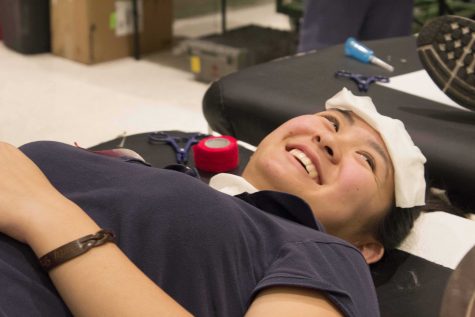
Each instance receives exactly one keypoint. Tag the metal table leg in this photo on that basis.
(136, 29)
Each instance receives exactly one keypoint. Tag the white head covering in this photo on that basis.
(408, 161)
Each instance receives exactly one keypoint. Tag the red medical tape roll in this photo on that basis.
(216, 154)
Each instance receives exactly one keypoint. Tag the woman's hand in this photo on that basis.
(24, 192)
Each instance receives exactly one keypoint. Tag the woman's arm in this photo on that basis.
(291, 301)
(101, 282)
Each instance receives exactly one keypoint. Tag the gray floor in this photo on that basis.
(45, 97)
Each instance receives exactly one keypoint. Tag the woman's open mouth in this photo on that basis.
(306, 163)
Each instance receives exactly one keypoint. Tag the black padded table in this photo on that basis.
(162, 155)
(251, 103)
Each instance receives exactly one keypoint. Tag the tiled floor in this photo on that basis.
(44, 97)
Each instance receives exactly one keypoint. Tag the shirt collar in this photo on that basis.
(231, 184)
(279, 204)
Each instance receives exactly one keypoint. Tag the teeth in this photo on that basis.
(306, 162)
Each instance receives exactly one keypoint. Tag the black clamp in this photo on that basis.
(362, 81)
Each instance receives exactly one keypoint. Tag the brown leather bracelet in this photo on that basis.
(75, 248)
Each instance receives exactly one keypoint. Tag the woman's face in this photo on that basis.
(335, 162)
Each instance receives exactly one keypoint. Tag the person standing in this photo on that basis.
(330, 22)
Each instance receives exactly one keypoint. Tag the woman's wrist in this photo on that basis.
(56, 223)
(75, 248)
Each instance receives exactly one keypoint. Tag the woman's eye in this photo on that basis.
(334, 121)
(369, 159)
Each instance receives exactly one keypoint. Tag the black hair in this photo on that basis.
(394, 227)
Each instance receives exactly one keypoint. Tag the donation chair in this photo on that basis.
(411, 280)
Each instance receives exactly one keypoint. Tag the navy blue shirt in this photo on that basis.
(211, 252)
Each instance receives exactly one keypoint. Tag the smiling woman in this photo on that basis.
(342, 167)
(276, 248)
(353, 182)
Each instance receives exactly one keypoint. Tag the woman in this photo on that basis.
(183, 247)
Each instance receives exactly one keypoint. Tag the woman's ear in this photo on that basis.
(372, 250)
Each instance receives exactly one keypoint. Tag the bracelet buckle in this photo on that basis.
(94, 240)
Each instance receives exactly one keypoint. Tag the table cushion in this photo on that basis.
(251, 103)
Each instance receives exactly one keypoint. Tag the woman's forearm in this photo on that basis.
(102, 281)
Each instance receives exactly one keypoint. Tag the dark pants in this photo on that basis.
(330, 22)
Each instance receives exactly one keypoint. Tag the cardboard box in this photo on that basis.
(93, 31)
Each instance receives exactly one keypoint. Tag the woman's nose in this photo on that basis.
(329, 145)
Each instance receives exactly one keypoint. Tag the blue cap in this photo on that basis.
(357, 50)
